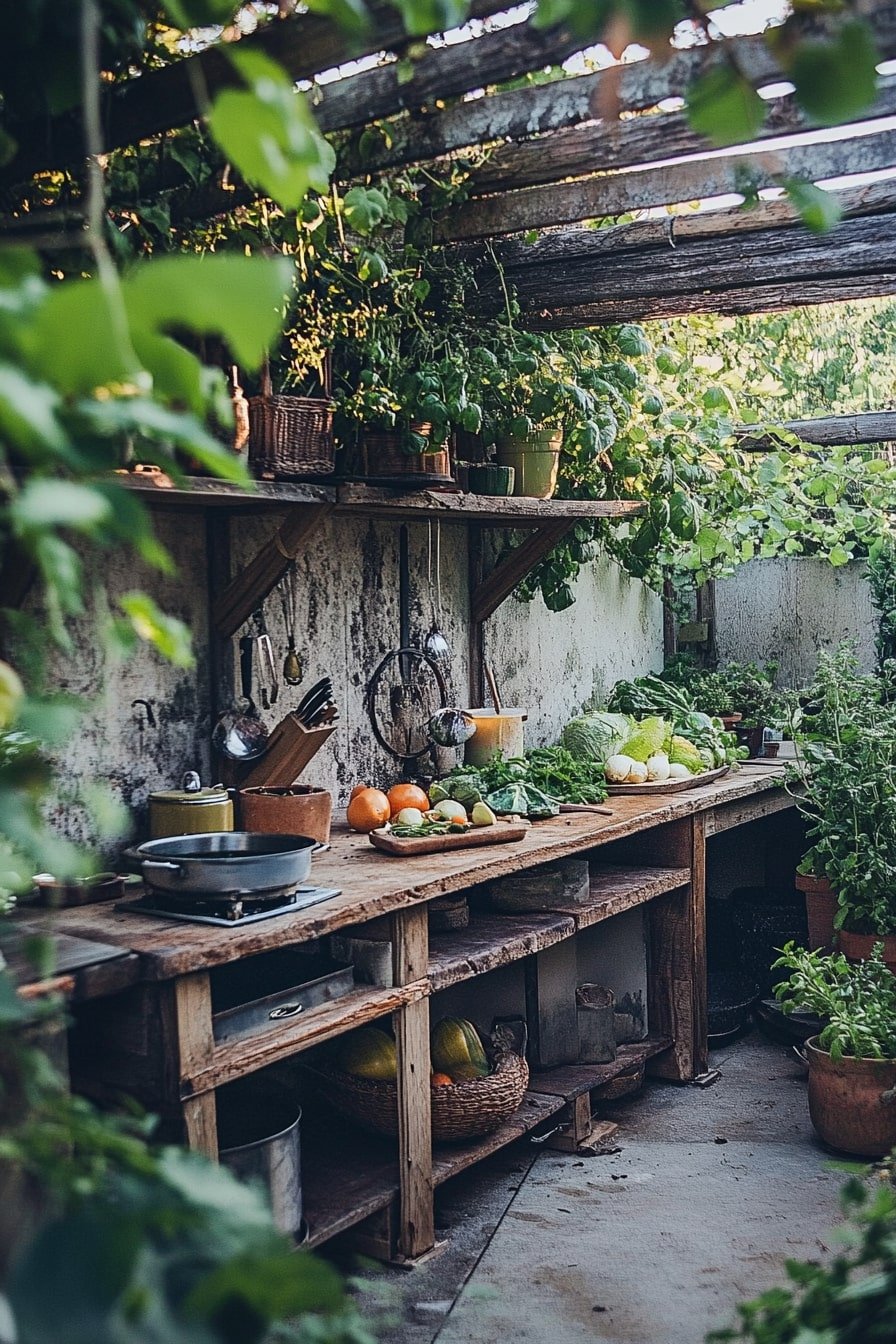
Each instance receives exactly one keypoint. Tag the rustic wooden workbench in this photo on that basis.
(156, 1038)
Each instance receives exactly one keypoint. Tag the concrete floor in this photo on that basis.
(711, 1190)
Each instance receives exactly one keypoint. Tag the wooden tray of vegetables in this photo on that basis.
(441, 839)
(671, 785)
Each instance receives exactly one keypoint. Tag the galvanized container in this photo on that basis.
(260, 1142)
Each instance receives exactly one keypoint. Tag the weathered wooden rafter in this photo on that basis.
(715, 174)
(444, 72)
(834, 430)
(732, 302)
(163, 100)
(600, 146)
(731, 260)
(518, 114)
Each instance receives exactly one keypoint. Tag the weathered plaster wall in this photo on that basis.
(347, 619)
(788, 611)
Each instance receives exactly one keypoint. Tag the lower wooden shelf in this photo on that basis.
(348, 1174)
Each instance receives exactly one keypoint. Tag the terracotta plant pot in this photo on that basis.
(297, 810)
(852, 1102)
(821, 907)
(859, 946)
(729, 721)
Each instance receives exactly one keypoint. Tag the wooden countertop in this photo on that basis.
(375, 884)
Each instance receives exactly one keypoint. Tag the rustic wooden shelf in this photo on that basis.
(615, 889)
(570, 1080)
(347, 1174)
(548, 1093)
(491, 941)
(207, 492)
(238, 1058)
(200, 492)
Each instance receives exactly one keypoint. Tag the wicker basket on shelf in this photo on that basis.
(291, 436)
(461, 1111)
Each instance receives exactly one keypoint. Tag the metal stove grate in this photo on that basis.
(228, 912)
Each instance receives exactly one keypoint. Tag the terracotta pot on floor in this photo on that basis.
(297, 810)
(821, 907)
(858, 946)
(852, 1102)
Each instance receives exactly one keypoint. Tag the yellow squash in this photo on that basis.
(456, 1049)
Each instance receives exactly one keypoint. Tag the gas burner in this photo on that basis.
(228, 911)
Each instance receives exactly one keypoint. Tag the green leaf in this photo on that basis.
(187, 14)
(422, 17)
(632, 341)
(28, 410)
(838, 555)
(365, 208)
(269, 132)
(836, 78)
(46, 503)
(75, 333)
(724, 106)
(818, 209)
(237, 298)
(168, 635)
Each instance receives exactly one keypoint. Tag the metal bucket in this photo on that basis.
(260, 1142)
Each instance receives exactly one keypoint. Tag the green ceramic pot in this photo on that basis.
(491, 479)
(535, 459)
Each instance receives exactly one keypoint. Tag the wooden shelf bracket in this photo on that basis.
(245, 593)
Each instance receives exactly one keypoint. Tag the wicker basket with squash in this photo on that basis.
(473, 1091)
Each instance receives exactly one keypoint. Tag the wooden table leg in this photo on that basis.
(195, 1046)
(677, 961)
(410, 942)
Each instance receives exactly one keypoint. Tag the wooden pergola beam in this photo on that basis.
(731, 302)
(163, 100)
(716, 174)
(601, 146)
(861, 247)
(445, 72)
(832, 431)
(518, 114)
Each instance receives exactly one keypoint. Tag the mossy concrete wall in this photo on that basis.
(347, 618)
(788, 611)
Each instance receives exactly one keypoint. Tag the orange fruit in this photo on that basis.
(407, 795)
(359, 788)
(441, 1080)
(367, 810)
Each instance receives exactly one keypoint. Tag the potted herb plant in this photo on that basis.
(852, 1061)
(743, 696)
(541, 393)
(847, 743)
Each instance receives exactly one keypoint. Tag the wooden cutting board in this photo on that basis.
(671, 785)
(500, 834)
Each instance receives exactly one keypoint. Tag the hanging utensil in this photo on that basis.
(270, 692)
(435, 644)
(451, 727)
(239, 732)
(293, 670)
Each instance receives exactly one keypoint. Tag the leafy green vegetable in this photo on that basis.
(595, 737)
(648, 738)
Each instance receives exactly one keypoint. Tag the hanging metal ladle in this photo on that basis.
(435, 645)
(293, 671)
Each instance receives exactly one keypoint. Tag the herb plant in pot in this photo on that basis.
(852, 1061)
(540, 394)
(847, 742)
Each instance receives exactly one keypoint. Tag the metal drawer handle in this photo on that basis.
(285, 1010)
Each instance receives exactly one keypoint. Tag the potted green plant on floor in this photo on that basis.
(743, 696)
(852, 1061)
(847, 776)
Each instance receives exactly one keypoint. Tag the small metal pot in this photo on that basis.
(226, 863)
(189, 810)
